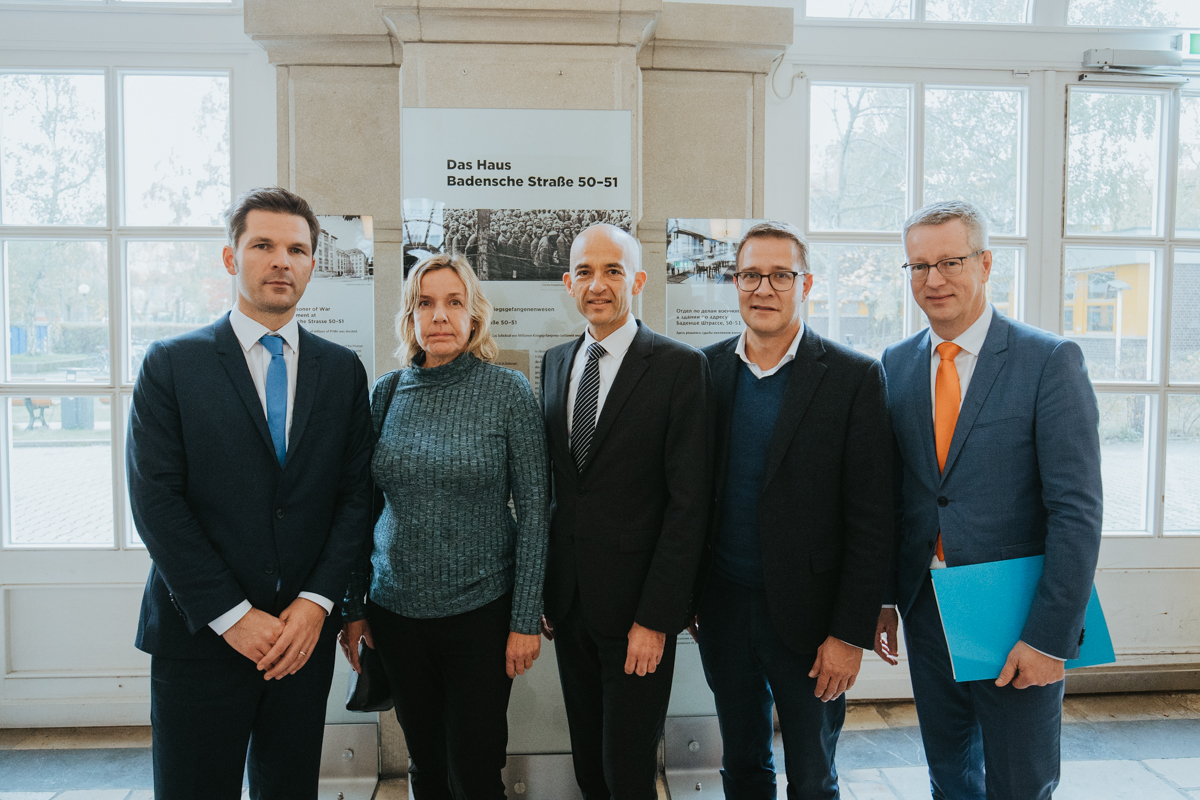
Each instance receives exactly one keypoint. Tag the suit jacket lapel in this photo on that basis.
(308, 374)
(633, 366)
(233, 359)
(987, 368)
(807, 371)
(923, 412)
(724, 365)
(557, 381)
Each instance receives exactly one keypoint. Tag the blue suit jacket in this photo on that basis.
(1022, 477)
(222, 520)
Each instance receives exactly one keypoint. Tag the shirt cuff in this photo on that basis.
(1047, 655)
(230, 618)
(888, 605)
(323, 602)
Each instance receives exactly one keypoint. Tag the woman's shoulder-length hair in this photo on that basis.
(480, 344)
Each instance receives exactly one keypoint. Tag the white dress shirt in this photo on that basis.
(258, 358)
(758, 372)
(616, 344)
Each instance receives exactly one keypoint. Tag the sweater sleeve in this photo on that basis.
(528, 477)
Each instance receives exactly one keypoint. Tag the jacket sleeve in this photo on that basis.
(156, 466)
(1068, 453)
(867, 516)
(351, 521)
(687, 465)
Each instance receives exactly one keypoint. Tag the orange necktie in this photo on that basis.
(947, 396)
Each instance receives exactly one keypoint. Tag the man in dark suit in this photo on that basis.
(802, 528)
(625, 411)
(248, 456)
(996, 426)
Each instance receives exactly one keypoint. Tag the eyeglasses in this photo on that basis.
(779, 281)
(949, 267)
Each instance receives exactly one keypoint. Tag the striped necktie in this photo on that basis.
(583, 421)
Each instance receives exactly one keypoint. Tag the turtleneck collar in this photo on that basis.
(444, 375)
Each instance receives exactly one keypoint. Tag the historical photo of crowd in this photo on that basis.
(703, 250)
(509, 245)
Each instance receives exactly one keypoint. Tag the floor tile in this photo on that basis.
(1183, 771)
(11, 737)
(26, 795)
(1112, 780)
(888, 747)
(908, 783)
(85, 738)
(93, 794)
(1122, 707)
(898, 715)
(1142, 739)
(866, 784)
(1195, 795)
(1087, 742)
(62, 770)
(141, 794)
(1184, 705)
(863, 717)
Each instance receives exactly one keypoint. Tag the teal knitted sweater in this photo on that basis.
(458, 441)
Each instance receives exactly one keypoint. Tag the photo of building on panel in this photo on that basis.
(703, 250)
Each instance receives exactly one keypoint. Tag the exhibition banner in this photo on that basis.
(339, 303)
(509, 190)
(702, 298)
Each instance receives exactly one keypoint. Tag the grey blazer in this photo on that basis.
(1022, 477)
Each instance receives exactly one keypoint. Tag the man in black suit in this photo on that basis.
(625, 411)
(248, 456)
(802, 527)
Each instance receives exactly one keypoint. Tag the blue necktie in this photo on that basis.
(277, 388)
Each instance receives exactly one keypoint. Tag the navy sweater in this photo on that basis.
(756, 404)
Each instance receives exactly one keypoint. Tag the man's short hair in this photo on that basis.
(947, 211)
(275, 199)
(777, 230)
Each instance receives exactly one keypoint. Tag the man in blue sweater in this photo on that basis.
(801, 533)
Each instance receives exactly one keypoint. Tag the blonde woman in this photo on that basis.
(453, 586)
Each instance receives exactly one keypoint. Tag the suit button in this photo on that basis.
(942, 501)
(279, 513)
(269, 568)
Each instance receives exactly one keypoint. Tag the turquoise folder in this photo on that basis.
(984, 606)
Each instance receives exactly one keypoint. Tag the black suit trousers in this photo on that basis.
(204, 712)
(616, 720)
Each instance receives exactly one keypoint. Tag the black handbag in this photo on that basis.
(368, 690)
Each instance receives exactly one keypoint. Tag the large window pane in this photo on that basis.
(858, 295)
(1004, 285)
(52, 156)
(1185, 318)
(60, 470)
(859, 139)
(1123, 459)
(995, 11)
(860, 9)
(1187, 205)
(1108, 296)
(176, 133)
(1134, 13)
(973, 151)
(57, 310)
(1113, 163)
(1181, 512)
(174, 287)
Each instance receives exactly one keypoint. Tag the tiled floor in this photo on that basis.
(1115, 747)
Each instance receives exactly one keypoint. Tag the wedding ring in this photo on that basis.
(303, 653)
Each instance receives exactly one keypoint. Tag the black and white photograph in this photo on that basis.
(703, 250)
(503, 244)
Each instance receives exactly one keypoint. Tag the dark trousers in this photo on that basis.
(451, 692)
(749, 669)
(204, 713)
(964, 726)
(616, 720)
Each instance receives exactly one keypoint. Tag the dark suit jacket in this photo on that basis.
(825, 515)
(222, 520)
(1022, 477)
(627, 532)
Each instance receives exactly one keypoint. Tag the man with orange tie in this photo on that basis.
(999, 457)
